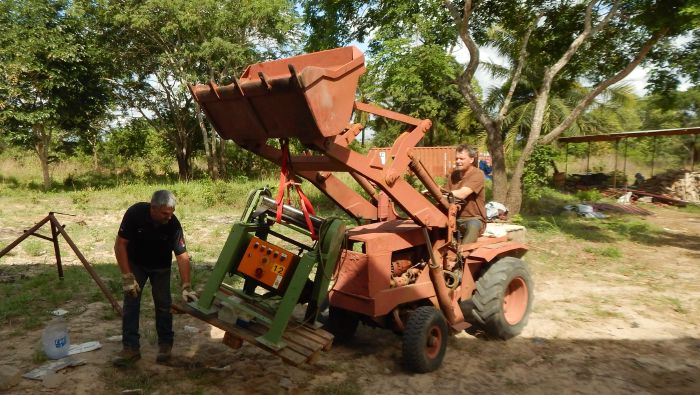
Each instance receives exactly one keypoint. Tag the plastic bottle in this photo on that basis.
(55, 339)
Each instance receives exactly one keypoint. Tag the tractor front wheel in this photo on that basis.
(503, 299)
(425, 340)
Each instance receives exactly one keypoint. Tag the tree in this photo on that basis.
(51, 73)
(676, 109)
(416, 80)
(165, 44)
(551, 47)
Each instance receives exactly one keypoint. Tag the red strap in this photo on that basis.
(286, 183)
(284, 174)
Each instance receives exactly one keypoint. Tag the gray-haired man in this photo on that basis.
(148, 235)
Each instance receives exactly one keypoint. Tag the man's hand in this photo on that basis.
(130, 285)
(188, 295)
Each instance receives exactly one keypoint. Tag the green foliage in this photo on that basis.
(53, 76)
(536, 174)
(165, 45)
(417, 81)
(549, 202)
(589, 195)
(538, 106)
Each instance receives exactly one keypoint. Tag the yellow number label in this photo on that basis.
(279, 269)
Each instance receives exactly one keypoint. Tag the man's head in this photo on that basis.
(465, 156)
(162, 206)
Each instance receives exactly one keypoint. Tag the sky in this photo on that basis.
(637, 78)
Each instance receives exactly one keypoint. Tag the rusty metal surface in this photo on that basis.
(618, 136)
(388, 235)
(311, 98)
(307, 96)
(491, 251)
(621, 208)
(438, 161)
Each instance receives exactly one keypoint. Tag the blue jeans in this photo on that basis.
(470, 229)
(160, 290)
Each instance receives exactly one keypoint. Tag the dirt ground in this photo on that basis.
(599, 325)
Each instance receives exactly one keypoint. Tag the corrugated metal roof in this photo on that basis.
(618, 136)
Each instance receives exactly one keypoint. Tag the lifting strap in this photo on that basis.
(286, 183)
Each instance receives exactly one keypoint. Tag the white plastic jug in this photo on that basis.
(55, 339)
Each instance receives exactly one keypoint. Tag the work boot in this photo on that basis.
(164, 353)
(126, 357)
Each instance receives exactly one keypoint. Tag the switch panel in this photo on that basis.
(268, 264)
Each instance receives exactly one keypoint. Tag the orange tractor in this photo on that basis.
(400, 268)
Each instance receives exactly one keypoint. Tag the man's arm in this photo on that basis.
(122, 256)
(462, 192)
(183, 265)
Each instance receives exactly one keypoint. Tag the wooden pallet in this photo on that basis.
(303, 343)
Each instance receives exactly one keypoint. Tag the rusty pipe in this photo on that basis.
(365, 184)
(441, 291)
(433, 188)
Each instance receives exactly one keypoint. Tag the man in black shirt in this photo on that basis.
(148, 236)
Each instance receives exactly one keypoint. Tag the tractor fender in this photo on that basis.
(491, 251)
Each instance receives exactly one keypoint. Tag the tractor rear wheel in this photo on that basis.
(425, 340)
(503, 299)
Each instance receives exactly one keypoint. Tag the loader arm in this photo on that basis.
(312, 98)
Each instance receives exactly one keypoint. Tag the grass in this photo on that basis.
(32, 291)
(676, 305)
(26, 300)
(349, 386)
(609, 252)
(614, 228)
(690, 209)
(131, 379)
(35, 247)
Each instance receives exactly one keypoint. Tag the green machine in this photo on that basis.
(278, 272)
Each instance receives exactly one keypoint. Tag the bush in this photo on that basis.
(591, 195)
(536, 173)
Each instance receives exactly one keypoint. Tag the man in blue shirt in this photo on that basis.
(485, 166)
(148, 235)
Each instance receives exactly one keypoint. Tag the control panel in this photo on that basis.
(267, 263)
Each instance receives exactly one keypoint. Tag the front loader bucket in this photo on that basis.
(308, 97)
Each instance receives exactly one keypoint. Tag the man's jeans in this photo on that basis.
(160, 289)
(469, 227)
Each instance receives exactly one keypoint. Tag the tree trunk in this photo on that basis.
(494, 141)
(43, 140)
(184, 166)
(216, 166)
(95, 159)
(205, 139)
(221, 157)
(514, 199)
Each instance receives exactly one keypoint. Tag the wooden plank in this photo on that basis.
(302, 343)
(315, 334)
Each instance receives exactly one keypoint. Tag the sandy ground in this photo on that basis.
(628, 325)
